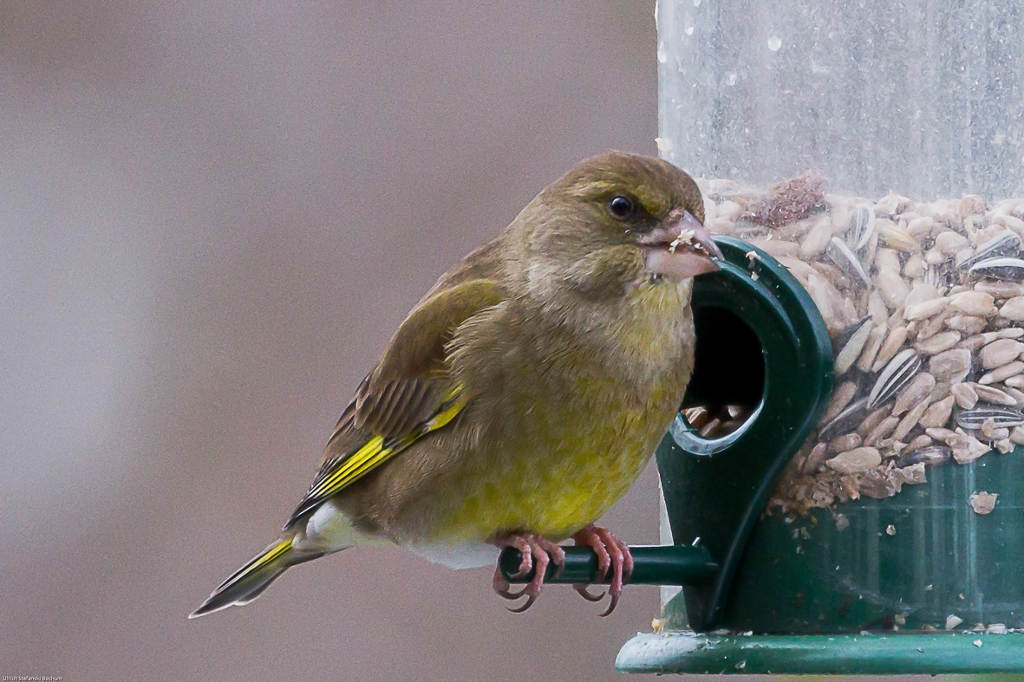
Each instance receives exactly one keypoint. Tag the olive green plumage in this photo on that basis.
(528, 388)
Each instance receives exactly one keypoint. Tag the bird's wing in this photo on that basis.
(408, 395)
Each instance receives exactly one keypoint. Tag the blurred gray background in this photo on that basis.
(212, 218)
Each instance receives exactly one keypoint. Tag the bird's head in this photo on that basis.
(619, 219)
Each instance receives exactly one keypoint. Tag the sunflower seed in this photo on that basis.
(948, 243)
(915, 392)
(968, 324)
(1001, 290)
(991, 394)
(950, 365)
(922, 227)
(851, 351)
(855, 461)
(914, 267)
(938, 413)
(1002, 373)
(895, 237)
(900, 370)
(921, 441)
(925, 309)
(882, 431)
(845, 420)
(1004, 269)
(815, 459)
(1014, 393)
(1013, 309)
(1002, 416)
(893, 342)
(999, 352)
(874, 344)
(910, 420)
(939, 342)
(894, 290)
(931, 456)
(816, 240)
(1005, 244)
(845, 442)
(972, 303)
(966, 396)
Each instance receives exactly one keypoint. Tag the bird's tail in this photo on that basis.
(250, 580)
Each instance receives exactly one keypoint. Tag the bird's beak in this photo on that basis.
(680, 249)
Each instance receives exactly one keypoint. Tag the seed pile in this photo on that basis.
(924, 303)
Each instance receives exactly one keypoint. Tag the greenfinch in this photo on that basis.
(524, 393)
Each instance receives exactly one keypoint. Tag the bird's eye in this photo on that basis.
(621, 206)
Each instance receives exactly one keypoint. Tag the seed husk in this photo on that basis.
(847, 260)
(1005, 269)
(862, 226)
(966, 448)
(1004, 244)
(930, 456)
(900, 370)
(845, 420)
(1001, 416)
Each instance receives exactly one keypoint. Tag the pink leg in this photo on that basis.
(537, 554)
(612, 554)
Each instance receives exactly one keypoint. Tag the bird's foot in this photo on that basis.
(537, 553)
(612, 555)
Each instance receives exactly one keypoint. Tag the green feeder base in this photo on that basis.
(895, 654)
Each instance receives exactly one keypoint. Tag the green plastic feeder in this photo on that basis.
(919, 98)
(803, 595)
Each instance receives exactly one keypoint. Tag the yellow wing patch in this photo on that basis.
(341, 472)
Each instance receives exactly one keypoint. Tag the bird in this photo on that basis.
(523, 394)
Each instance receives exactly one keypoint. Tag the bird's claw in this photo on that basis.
(612, 555)
(587, 594)
(538, 553)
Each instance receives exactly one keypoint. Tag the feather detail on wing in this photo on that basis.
(340, 472)
(408, 395)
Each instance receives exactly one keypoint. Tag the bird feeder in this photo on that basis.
(845, 480)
